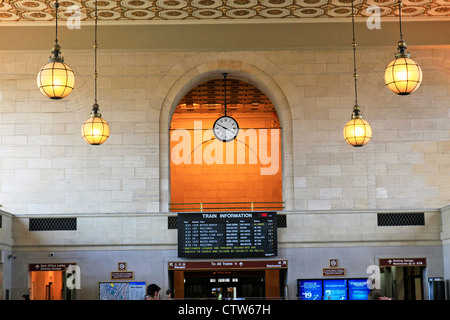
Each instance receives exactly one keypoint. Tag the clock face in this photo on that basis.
(226, 129)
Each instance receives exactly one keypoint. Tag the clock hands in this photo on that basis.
(225, 127)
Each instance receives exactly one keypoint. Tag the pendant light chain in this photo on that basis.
(355, 74)
(225, 87)
(95, 58)
(357, 132)
(400, 4)
(56, 19)
(95, 130)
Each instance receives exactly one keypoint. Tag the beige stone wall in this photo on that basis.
(6, 236)
(304, 229)
(46, 167)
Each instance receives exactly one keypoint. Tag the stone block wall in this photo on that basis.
(46, 167)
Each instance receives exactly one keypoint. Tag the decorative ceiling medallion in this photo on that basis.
(275, 13)
(173, 14)
(340, 12)
(308, 12)
(410, 11)
(64, 15)
(101, 5)
(276, 3)
(171, 4)
(207, 14)
(136, 4)
(346, 3)
(241, 13)
(154, 10)
(382, 3)
(206, 4)
(415, 3)
(37, 16)
(441, 11)
(312, 3)
(65, 4)
(30, 5)
(241, 3)
(139, 14)
(384, 11)
(8, 16)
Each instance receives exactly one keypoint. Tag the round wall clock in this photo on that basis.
(226, 129)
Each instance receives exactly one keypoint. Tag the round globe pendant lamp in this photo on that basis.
(95, 130)
(403, 75)
(357, 132)
(56, 79)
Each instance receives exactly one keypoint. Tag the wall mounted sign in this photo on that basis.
(121, 291)
(332, 272)
(49, 266)
(122, 275)
(334, 263)
(237, 264)
(227, 234)
(403, 262)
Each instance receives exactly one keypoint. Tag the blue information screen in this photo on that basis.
(335, 289)
(310, 289)
(357, 289)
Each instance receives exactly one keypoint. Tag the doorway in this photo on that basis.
(403, 283)
(50, 284)
(46, 285)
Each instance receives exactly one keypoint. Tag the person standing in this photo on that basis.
(153, 292)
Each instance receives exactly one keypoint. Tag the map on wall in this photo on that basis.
(121, 291)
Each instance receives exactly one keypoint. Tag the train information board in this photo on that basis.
(227, 234)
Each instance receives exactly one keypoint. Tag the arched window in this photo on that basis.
(211, 175)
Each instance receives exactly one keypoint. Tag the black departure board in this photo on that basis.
(227, 234)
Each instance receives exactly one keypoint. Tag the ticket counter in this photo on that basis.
(228, 279)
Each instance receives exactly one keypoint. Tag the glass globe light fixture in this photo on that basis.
(95, 130)
(403, 75)
(357, 132)
(56, 79)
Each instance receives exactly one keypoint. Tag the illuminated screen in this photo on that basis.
(335, 289)
(310, 289)
(357, 289)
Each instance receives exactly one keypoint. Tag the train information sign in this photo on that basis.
(227, 234)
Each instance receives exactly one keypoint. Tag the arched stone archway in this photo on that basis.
(239, 70)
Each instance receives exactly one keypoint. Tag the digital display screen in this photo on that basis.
(357, 289)
(227, 234)
(335, 289)
(310, 289)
